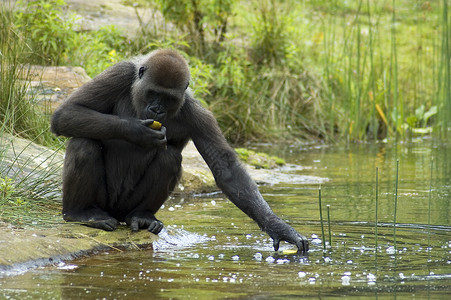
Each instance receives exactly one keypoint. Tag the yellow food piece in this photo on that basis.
(155, 125)
(289, 251)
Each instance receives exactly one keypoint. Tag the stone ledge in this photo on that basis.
(26, 248)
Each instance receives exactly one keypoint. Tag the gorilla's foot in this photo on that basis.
(144, 219)
(94, 217)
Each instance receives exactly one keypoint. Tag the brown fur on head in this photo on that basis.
(162, 72)
(165, 71)
(168, 69)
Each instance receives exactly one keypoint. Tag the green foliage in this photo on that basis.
(21, 205)
(334, 70)
(202, 19)
(419, 122)
(50, 32)
(9, 193)
(270, 33)
(97, 50)
(6, 188)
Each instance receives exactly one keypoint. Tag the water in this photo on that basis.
(211, 250)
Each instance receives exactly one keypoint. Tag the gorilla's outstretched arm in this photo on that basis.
(232, 178)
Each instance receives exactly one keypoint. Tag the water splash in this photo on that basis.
(172, 238)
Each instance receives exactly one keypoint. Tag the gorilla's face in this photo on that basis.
(159, 93)
(160, 106)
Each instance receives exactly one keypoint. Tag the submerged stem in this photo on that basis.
(396, 204)
(321, 219)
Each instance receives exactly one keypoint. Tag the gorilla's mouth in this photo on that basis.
(156, 116)
(155, 113)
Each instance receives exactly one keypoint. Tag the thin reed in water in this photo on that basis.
(328, 225)
(396, 203)
(429, 211)
(377, 206)
(321, 219)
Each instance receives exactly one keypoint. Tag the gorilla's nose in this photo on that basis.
(156, 112)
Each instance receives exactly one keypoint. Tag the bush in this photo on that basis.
(50, 32)
(97, 50)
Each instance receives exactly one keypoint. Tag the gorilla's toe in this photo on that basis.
(107, 225)
(155, 227)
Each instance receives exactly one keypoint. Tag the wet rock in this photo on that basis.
(196, 176)
(22, 158)
(26, 248)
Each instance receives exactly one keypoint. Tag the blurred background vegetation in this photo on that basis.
(332, 70)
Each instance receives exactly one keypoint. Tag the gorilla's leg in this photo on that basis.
(159, 182)
(84, 187)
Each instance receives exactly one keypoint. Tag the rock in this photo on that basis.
(51, 85)
(92, 15)
(26, 248)
(21, 158)
(196, 176)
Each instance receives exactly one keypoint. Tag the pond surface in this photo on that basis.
(211, 250)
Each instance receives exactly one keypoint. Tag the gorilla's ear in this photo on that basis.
(141, 72)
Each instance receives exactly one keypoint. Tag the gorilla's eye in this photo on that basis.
(141, 72)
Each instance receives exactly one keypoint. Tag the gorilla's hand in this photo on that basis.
(139, 133)
(278, 230)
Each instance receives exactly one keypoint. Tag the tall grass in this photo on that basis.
(29, 183)
(26, 188)
(19, 113)
(444, 76)
(383, 85)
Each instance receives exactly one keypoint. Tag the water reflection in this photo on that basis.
(211, 250)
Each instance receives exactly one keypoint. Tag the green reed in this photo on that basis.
(377, 208)
(445, 74)
(328, 225)
(395, 203)
(429, 210)
(386, 68)
(323, 237)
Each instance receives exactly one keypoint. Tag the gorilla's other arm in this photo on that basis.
(233, 179)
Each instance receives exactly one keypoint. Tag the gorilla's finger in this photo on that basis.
(276, 243)
(302, 245)
(155, 227)
(147, 122)
(108, 225)
(306, 244)
(161, 143)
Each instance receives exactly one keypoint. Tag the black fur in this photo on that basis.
(117, 169)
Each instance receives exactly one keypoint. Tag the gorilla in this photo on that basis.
(121, 167)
